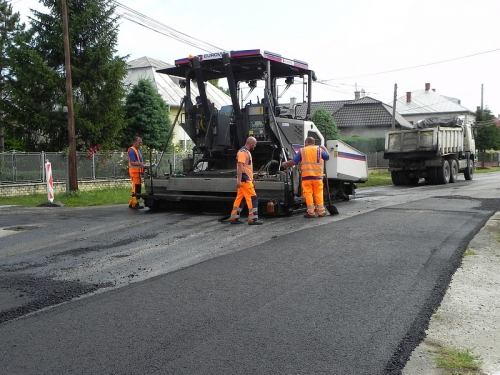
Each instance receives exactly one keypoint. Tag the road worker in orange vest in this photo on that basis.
(135, 170)
(245, 186)
(311, 159)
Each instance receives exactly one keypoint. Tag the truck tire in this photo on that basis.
(403, 178)
(469, 171)
(453, 170)
(413, 180)
(395, 177)
(443, 173)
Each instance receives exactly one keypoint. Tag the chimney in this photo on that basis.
(408, 97)
(427, 86)
(356, 95)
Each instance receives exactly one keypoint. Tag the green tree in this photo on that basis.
(9, 26)
(147, 115)
(37, 80)
(215, 82)
(326, 124)
(488, 134)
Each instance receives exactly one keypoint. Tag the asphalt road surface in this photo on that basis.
(107, 290)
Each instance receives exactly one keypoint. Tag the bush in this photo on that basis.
(366, 145)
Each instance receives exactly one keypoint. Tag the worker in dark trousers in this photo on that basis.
(135, 170)
(244, 184)
(311, 159)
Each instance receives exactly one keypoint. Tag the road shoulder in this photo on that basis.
(468, 317)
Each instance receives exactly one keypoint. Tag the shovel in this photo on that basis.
(332, 210)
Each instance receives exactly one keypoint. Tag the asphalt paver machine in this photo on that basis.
(208, 176)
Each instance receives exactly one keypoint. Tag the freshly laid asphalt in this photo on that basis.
(326, 300)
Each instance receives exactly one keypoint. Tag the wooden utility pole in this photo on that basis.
(72, 177)
(2, 138)
(394, 107)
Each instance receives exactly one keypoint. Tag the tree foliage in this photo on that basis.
(147, 115)
(488, 134)
(325, 122)
(9, 26)
(366, 145)
(215, 82)
(37, 79)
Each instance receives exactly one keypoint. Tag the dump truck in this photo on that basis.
(437, 150)
(208, 175)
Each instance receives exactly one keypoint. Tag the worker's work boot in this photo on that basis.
(136, 206)
(307, 216)
(255, 222)
(134, 203)
(237, 221)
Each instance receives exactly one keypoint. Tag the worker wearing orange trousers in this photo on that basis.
(311, 159)
(135, 169)
(244, 183)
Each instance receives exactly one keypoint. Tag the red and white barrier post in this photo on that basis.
(50, 182)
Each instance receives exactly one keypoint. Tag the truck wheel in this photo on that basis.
(443, 173)
(469, 171)
(453, 170)
(403, 178)
(395, 177)
(414, 180)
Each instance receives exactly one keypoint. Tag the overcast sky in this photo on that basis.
(367, 44)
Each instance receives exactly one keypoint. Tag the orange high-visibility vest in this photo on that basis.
(133, 169)
(312, 163)
(244, 156)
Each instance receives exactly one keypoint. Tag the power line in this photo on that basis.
(414, 67)
(159, 27)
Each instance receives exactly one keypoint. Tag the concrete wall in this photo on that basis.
(12, 190)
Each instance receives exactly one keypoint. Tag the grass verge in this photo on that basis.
(468, 252)
(74, 199)
(384, 178)
(376, 179)
(457, 362)
(486, 170)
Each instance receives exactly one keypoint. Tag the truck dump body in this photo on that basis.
(435, 141)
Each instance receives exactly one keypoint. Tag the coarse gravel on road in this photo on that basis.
(469, 315)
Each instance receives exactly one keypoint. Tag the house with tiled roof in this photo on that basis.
(363, 116)
(420, 104)
(169, 89)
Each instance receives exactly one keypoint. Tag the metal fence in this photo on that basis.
(490, 159)
(30, 167)
(376, 160)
